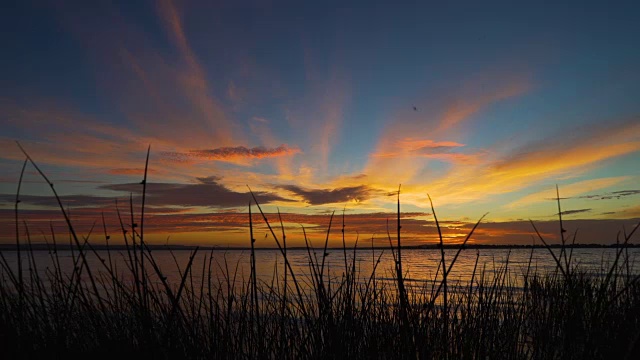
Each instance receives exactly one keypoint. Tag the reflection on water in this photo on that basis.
(421, 266)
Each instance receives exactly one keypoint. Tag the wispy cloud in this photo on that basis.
(629, 213)
(575, 212)
(611, 195)
(473, 99)
(418, 227)
(60, 136)
(410, 146)
(591, 231)
(131, 171)
(163, 221)
(208, 192)
(74, 201)
(317, 115)
(262, 129)
(232, 153)
(413, 138)
(260, 119)
(331, 196)
(157, 86)
(553, 157)
(446, 151)
(626, 192)
(558, 153)
(194, 77)
(568, 190)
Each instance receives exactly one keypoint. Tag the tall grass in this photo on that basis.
(106, 311)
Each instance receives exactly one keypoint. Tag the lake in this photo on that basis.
(419, 265)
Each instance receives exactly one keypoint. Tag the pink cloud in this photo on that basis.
(231, 153)
(419, 147)
(131, 171)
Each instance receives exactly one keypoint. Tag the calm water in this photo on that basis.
(420, 266)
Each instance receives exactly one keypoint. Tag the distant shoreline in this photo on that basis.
(66, 247)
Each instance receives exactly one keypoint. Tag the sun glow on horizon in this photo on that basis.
(321, 116)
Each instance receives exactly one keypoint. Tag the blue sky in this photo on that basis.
(320, 105)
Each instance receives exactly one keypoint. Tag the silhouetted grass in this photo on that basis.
(108, 311)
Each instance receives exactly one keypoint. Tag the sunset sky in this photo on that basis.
(321, 106)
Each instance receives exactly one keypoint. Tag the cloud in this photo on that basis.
(455, 158)
(457, 110)
(74, 201)
(611, 195)
(59, 135)
(131, 171)
(208, 192)
(331, 196)
(155, 86)
(417, 227)
(316, 115)
(260, 119)
(211, 180)
(568, 191)
(572, 148)
(232, 153)
(626, 192)
(403, 161)
(590, 231)
(445, 151)
(165, 221)
(233, 93)
(630, 213)
(193, 78)
(553, 157)
(261, 128)
(14, 180)
(420, 146)
(573, 212)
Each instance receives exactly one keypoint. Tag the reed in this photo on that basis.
(502, 312)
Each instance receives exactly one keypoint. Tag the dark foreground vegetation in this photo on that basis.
(105, 311)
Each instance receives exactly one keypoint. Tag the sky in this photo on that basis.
(321, 107)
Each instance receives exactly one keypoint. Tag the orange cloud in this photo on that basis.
(260, 127)
(429, 149)
(231, 153)
(56, 137)
(568, 190)
(333, 196)
(416, 146)
(131, 171)
(194, 77)
(417, 228)
(458, 110)
(318, 117)
(550, 158)
(158, 92)
(633, 212)
(412, 138)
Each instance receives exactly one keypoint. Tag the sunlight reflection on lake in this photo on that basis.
(419, 265)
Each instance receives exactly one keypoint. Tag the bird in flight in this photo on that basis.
(415, 108)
